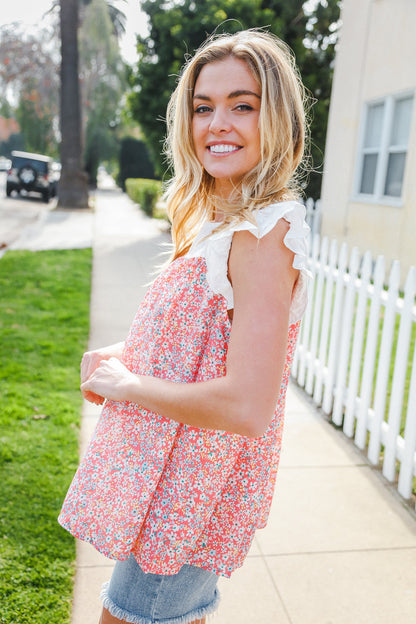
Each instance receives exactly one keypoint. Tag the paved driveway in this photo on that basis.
(17, 212)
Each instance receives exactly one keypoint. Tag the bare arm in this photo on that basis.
(243, 401)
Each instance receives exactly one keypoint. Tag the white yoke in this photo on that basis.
(215, 248)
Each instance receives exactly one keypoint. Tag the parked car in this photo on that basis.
(5, 163)
(31, 173)
(55, 175)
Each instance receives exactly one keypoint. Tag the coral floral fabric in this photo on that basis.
(170, 493)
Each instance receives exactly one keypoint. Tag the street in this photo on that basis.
(17, 212)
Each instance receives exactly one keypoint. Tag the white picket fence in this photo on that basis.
(356, 355)
(313, 215)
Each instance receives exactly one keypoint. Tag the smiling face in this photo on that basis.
(225, 132)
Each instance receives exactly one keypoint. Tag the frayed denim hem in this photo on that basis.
(187, 618)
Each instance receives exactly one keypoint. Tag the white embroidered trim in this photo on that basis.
(215, 248)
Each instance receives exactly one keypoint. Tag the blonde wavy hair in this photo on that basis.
(190, 193)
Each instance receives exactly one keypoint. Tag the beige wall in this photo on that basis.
(376, 58)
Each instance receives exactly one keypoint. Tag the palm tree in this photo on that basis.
(73, 187)
(118, 18)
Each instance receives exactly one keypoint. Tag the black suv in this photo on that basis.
(31, 173)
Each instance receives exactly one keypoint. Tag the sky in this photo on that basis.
(31, 13)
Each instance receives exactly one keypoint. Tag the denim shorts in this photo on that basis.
(141, 598)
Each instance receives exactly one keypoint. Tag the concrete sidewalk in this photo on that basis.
(339, 548)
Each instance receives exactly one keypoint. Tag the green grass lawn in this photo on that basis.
(44, 323)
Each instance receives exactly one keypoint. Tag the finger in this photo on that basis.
(89, 363)
(116, 364)
(92, 397)
(95, 398)
(85, 365)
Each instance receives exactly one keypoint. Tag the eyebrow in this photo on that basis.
(232, 95)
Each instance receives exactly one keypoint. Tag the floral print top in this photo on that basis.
(170, 493)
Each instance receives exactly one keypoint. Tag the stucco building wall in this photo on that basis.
(376, 58)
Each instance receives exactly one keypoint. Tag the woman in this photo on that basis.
(181, 469)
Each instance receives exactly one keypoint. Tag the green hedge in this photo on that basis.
(134, 161)
(144, 192)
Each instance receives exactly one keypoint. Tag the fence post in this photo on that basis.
(399, 376)
(370, 354)
(323, 258)
(344, 351)
(408, 462)
(304, 360)
(325, 325)
(357, 347)
(313, 215)
(335, 331)
(384, 364)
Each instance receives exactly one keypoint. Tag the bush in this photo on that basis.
(144, 192)
(134, 161)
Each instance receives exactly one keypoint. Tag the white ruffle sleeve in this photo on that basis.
(215, 248)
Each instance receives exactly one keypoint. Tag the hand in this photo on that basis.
(111, 379)
(91, 360)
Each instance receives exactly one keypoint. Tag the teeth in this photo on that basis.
(223, 148)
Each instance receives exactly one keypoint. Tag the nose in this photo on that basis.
(219, 122)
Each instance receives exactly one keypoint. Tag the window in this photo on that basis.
(384, 147)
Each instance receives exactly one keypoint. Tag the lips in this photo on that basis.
(223, 148)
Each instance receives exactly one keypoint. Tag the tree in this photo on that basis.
(116, 15)
(317, 67)
(178, 28)
(29, 76)
(14, 142)
(134, 161)
(73, 189)
(103, 77)
(36, 120)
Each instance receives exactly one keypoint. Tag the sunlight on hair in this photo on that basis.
(282, 123)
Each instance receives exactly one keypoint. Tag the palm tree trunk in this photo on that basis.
(73, 187)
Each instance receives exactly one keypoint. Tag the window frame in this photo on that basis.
(384, 150)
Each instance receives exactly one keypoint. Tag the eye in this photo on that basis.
(203, 108)
(243, 108)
